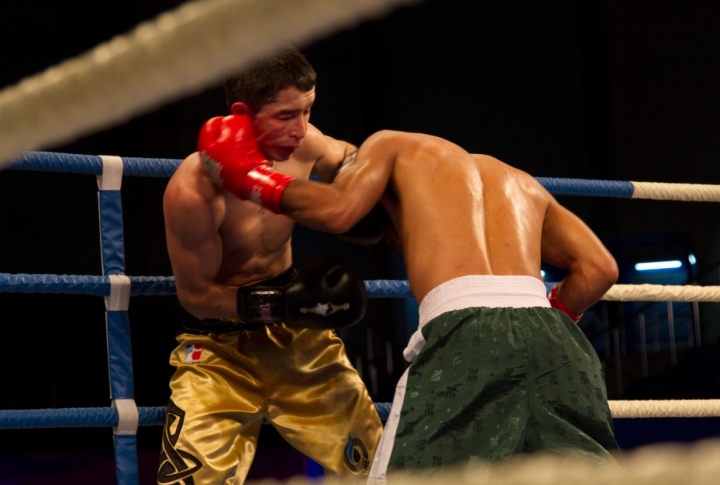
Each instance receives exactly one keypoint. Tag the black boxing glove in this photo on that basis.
(326, 294)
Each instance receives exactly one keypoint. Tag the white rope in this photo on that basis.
(660, 464)
(687, 408)
(663, 293)
(684, 192)
(181, 52)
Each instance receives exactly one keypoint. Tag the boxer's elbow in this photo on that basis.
(195, 303)
(611, 272)
(608, 270)
(602, 270)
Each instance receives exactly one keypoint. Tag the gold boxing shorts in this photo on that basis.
(300, 380)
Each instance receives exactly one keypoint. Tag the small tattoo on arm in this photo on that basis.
(348, 161)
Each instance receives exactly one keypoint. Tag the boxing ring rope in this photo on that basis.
(125, 417)
(632, 190)
(164, 167)
(180, 52)
(165, 285)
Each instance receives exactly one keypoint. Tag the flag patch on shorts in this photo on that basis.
(193, 353)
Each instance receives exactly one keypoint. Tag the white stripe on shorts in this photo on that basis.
(378, 470)
(490, 291)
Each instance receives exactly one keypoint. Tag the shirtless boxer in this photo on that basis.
(498, 367)
(233, 370)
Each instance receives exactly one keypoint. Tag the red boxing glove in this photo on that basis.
(230, 153)
(555, 302)
(265, 186)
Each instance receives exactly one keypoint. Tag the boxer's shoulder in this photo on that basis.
(191, 186)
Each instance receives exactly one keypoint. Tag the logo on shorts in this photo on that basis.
(176, 466)
(193, 353)
(325, 309)
(356, 455)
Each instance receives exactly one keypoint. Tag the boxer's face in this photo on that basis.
(281, 126)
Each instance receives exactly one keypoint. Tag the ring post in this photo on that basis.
(117, 324)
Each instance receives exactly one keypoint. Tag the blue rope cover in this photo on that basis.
(145, 285)
(92, 164)
(388, 288)
(152, 285)
(165, 167)
(597, 188)
(96, 417)
(83, 285)
(75, 417)
(112, 246)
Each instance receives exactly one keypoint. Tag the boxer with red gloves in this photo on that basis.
(257, 342)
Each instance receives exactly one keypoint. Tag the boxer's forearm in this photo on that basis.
(211, 301)
(321, 207)
(339, 206)
(586, 283)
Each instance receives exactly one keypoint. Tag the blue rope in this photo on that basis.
(152, 285)
(83, 285)
(97, 417)
(92, 164)
(597, 188)
(164, 167)
(144, 285)
(75, 417)
(388, 289)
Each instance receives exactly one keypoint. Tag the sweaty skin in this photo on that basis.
(458, 214)
(218, 242)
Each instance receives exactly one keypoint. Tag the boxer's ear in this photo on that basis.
(240, 109)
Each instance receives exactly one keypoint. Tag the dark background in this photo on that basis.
(597, 89)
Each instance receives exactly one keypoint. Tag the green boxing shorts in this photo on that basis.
(489, 382)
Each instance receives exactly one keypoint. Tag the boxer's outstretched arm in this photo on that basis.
(195, 250)
(569, 244)
(358, 186)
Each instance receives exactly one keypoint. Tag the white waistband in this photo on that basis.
(483, 291)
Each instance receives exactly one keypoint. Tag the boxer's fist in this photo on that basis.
(556, 303)
(229, 151)
(327, 293)
(231, 155)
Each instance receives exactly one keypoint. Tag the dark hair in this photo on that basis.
(260, 84)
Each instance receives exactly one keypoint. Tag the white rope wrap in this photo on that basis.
(119, 298)
(111, 178)
(128, 417)
(684, 192)
(663, 293)
(180, 52)
(687, 408)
